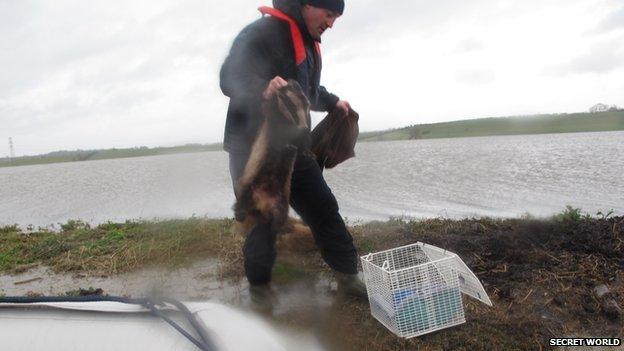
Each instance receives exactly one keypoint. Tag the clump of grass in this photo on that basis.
(285, 272)
(366, 246)
(73, 225)
(574, 214)
(604, 215)
(13, 228)
(571, 214)
(16, 248)
(117, 247)
(50, 246)
(7, 258)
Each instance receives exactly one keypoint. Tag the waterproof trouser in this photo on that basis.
(312, 199)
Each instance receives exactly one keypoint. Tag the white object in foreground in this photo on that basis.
(95, 326)
(416, 289)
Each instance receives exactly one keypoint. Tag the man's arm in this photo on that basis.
(326, 101)
(329, 102)
(247, 70)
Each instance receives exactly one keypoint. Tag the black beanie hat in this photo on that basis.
(332, 5)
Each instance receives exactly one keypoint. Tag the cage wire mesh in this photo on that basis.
(412, 293)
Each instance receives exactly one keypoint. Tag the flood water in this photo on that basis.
(199, 282)
(503, 176)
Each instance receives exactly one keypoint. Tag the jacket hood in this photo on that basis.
(293, 9)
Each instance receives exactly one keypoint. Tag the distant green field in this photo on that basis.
(87, 155)
(540, 124)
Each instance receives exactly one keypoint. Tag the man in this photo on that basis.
(281, 46)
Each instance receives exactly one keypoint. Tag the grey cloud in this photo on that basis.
(15, 14)
(39, 39)
(44, 43)
(130, 68)
(72, 68)
(69, 109)
(614, 21)
(99, 50)
(383, 20)
(469, 45)
(598, 63)
(475, 76)
(372, 19)
(600, 59)
(367, 25)
(26, 119)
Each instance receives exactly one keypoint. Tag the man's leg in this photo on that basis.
(259, 253)
(259, 248)
(313, 200)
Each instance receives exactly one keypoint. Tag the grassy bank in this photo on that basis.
(541, 124)
(115, 247)
(120, 247)
(539, 273)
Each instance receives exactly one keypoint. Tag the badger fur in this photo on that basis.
(263, 191)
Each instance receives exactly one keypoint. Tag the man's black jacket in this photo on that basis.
(264, 49)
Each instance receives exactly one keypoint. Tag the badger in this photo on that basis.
(263, 191)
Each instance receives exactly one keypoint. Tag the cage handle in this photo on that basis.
(385, 265)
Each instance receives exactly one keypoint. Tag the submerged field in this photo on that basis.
(519, 125)
(541, 274)
(105, 154)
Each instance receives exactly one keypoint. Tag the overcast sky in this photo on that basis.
(121, 73)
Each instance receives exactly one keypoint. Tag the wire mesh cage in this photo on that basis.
(414, 290)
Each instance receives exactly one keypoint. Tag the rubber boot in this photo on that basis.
(262, 298)
(351, 285)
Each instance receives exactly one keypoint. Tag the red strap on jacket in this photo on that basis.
(297, 39)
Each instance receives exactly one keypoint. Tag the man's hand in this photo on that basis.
(343, 107)
(274, 85)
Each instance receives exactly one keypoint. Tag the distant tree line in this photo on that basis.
(604, 108)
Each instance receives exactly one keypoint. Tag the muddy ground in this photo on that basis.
(541, 275)
(561, 277)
